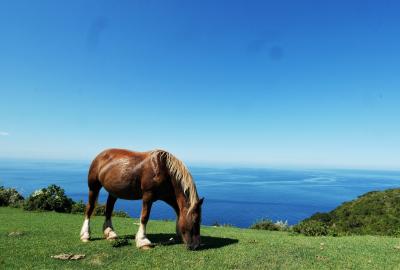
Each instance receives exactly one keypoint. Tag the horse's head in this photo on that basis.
(189, 226)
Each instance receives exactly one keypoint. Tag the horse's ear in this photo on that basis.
(201, 201)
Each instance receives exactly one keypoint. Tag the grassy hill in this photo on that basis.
(373, 213)
(29, 239)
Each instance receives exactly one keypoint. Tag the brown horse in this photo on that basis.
(150, 176)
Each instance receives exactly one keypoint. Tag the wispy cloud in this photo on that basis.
(3, 133)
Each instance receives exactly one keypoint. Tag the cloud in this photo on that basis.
(3, 133)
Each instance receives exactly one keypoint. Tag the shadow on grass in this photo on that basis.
(127, 237)
(163, 239)
(208, 242)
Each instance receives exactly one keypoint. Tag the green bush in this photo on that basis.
(374, 213)
(10, 197)
(100, 210)
(269, 225)
(78, 207)
(311, 228)
(265, 224)
(52, 198)
(121, 214)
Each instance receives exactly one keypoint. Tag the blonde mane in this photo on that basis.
(180, 174)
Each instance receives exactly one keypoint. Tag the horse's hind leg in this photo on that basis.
(108, 229)
(94, 188)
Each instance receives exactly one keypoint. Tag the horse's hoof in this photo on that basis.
(140, 243)
(85, 240)
(111, 238)
(109, 234)
(85, 237)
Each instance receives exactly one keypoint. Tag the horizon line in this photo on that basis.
(228, 164)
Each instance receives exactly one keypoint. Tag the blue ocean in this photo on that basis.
(236, 196)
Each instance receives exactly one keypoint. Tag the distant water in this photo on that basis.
(238, 196)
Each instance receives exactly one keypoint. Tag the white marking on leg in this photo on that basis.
(141, 239)
(85, 231)
(108, 230)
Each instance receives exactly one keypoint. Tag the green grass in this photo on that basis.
(48, 233)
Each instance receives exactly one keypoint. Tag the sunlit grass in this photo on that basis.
(29, 239)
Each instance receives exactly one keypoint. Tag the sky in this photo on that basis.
(269, 83)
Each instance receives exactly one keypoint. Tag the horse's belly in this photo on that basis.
(128, 190)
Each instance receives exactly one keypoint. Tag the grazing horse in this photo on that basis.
(150, 176)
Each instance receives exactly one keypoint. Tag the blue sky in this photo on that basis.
(275, 83)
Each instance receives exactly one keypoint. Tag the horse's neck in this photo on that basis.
(181, 201)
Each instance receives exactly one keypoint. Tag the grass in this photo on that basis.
(29, 239)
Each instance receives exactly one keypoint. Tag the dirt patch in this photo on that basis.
(98, 259)
(68, 256)
(16, 234)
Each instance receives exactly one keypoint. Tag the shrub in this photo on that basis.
(10, 197)
(120, 214)
(269, 225)
(374, 213)
(78, 207)
(100, 210)
(323, 217)
(265, 224)
(51, 198)
(311, 228)
(216, 224)
(282, 225)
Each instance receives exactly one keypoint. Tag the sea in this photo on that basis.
(233, 195)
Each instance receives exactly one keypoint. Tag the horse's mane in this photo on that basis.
(180, 174)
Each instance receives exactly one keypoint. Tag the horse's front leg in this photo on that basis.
(141, 239)
(172, 202)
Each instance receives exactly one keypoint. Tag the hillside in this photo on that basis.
(29, 239)
(374, 213)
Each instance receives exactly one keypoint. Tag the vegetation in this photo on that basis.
(100, 210)
(269, 225)
(29, 239)
(374, 213)
(52, 198)
(10, 197)
(78, 207)
(312, 228)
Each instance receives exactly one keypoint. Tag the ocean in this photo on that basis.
(236, 196)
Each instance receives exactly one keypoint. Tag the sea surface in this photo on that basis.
(236, 196)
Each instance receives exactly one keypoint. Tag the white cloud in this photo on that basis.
(3, 133)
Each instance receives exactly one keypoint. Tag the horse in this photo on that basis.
(150, 176)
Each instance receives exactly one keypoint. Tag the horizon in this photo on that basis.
(221, 165)
(288, 84)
